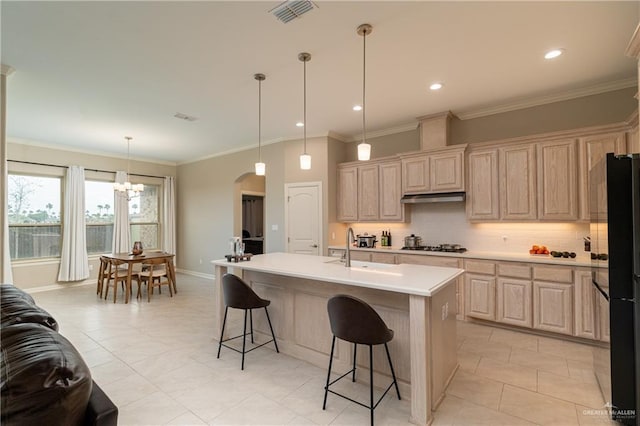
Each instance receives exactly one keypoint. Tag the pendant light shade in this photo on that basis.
(305, 159)
(260, 166)
(364, 149)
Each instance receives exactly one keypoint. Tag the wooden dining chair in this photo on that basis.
(117, 272)
(102, 274)
(155, 273)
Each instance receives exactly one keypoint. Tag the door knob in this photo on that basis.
(313, 245)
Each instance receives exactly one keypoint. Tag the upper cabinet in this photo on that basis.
(390, 180)
(347, 194)
(593, 149)
(415, 174)
(370, 192)
(368, 208)
(518, 182)
(482, 185)
(557, 180)
(434, 171)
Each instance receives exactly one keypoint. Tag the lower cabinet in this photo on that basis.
(552, 307)
(383, 257)
(584, 306)
(514, 302)
(480, 300)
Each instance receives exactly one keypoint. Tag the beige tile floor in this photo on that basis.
(157, 362)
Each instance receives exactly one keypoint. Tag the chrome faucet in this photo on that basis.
(347, 259)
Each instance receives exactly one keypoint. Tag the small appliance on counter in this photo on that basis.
(236, 246)
(366, 240)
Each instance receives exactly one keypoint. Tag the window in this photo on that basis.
(99, 216)
(143, 217)
(34, 216)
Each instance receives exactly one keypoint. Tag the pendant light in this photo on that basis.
(260, 166)
(131, 189)
(305, 159)
(364, 149)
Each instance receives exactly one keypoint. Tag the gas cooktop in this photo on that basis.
(449, 248)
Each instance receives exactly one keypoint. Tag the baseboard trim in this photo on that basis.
(59, 286)
(196, 274)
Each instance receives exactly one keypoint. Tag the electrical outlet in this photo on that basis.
(444, 312)
(333, 235)
(274, 227)
(446, 309)
(91, 267)
(201, 261)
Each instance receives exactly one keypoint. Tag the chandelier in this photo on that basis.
(127, 187)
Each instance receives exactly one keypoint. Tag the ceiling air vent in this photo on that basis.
(292, 9)
(185, 117)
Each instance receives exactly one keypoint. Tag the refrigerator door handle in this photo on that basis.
(604, 294)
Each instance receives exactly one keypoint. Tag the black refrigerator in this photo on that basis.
(621, 225)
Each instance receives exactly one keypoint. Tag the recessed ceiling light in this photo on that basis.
(553, 53)
(357, 107)
(436, 86)
(299, 124)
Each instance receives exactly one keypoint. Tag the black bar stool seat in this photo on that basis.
(238, 295)
(354, 321)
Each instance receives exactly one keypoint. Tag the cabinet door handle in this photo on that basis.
(313, 245)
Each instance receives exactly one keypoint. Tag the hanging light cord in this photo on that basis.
(259, 121)
(304, 63)
(364, 76)
(128, 138)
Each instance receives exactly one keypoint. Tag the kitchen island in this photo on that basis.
(417, 302)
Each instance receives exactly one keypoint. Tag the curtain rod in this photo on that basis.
(91, 170)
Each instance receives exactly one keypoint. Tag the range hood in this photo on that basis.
(443, 197)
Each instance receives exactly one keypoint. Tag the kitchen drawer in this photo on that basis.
(480, 267)
(558, 274)
(421, 259)
(383, 257)
(515, 270)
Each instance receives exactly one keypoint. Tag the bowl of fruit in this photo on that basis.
(539, 250)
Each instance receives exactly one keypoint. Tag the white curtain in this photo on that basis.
(7, 276)
(74, 262)
(121, 231)
(169, 215)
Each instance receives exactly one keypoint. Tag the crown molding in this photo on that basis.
(517, 104)
(6, 70)
(383, 132)
(67, 148)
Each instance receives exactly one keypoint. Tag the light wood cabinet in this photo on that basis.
(347, 194)
(592, 150)
(447, 262)
(584, 306)
(447, 171)
(480, 296)
(415, 174)
(383, 257)
(368, 187)
(514, 302)
(390, 192)
(552, 307)
(517, 167)
(483, 201)
(557, 180)
(370, 192)
(435, 171)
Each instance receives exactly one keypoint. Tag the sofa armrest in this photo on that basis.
(101, 411)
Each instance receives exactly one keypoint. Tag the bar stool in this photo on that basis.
(238, 295)
(353, 320)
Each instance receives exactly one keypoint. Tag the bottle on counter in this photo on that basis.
(389, 238)
(383, 239)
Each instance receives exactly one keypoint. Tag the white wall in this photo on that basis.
(447, 223)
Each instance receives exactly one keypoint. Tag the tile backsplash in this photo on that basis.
(447, 223)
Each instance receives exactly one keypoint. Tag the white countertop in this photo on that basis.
(408, 279)
(582, 260)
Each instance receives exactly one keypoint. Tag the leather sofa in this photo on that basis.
(43, 378)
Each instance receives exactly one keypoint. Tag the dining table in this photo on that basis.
(131, 259)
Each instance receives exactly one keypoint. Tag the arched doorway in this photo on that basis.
(249, 208)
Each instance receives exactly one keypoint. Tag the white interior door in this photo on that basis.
(303, 217)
